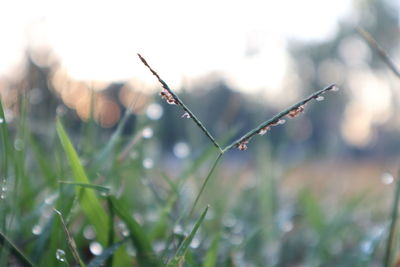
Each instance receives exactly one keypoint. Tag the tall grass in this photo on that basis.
(390, 243)
(97, 204)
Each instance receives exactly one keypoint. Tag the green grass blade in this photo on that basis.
(179, 257)
(116, 136)
(5, 142)
(99, 188)
(160, 228)
(71, 241)
(106, 254)
(393, 220)
(145, 253)
(212, 253)
(4, 241)
(89, 203)
(43, 163)
(205, 183)
(313, 211)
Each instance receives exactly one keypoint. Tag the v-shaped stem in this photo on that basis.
(275, 119)
(180, 103)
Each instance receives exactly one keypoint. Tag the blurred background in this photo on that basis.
(235, 64)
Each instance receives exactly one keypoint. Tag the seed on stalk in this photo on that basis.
(243, 145)
(295, 112)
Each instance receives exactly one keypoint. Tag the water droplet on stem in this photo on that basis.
(335, 88)
(60, 255)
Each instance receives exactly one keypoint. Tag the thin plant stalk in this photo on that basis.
(5, 241)
(180, 103)
(277, 117)
(70, 240)
(381, 52)
(392, 229)
(205, 183)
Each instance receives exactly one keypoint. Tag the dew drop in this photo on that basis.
(319, 98)
(366, 247)
(60, 255)
(123, 229)
(148, 163)
(130, 250)
(387, 178)
(2, 196)
(264, 130)
(186, 115)
(50, 199)
(178, 230)
(1, 120)
(147, 132)
(229, 221)
(281, 121)
(36, 229)
(159, 246)
(61, 110)
(335, 88)
(181, 150)
(96, 248)
(125, 233)
(286, 226)
(8, 115)
(89, 233)
(195, 243)
(154, 111)
(18, 144)
(236, 240)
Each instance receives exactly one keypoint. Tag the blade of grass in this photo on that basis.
(91, 186)
(277, 117)
(110, 231)
(108, 149)
(89, 202)
(145, 253)
(212, 253)
(205, 183)
(381, 52)
(106, 254)
(70, 240)
(65, 203)
(313, 211)
(6, 156)
(179, 257)
(6, 143)
(160, 228)
(43, 163)
(392, 229)
(4, 240)
(181, 104)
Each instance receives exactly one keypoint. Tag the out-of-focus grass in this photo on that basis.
(121, 212)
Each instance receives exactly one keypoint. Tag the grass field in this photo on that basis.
(69, 197)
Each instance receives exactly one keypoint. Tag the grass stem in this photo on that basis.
(277, 117)
(381, 52)
(392, 229)
(180, 103)
(205, 183)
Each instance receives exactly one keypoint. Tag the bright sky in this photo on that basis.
(98, 40)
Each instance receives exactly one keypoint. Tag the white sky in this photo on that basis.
(98, 40)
